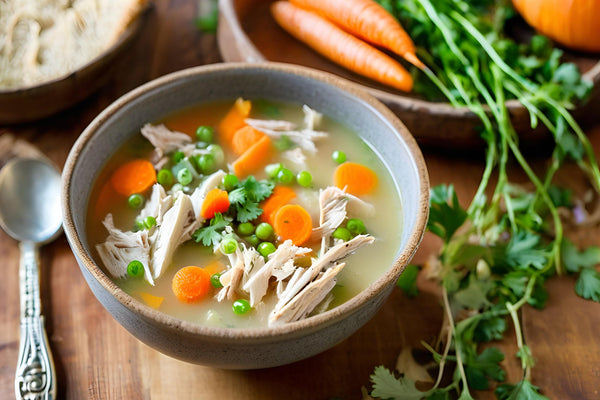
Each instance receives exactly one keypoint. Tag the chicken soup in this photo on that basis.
(245, 214)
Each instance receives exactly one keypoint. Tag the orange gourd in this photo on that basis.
(571, 23)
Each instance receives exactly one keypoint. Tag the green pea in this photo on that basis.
(135, 201)
(342, 233)
(215, 280)
(304, 178)
(177, 156)
(139, 225)
(246, 228)
(217, 152)
(264, 231)
(285, 176)
(356, 226)
(229, 245)
(252, 240)
(241, 306)
(149, 222)
(165, 177)
(184, 176)
(338, 157)
(206, 163)
(204, 134)
(135, 269)
(266, 248)
(273, 169)
(229, 182)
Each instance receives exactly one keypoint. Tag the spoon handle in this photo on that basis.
(36, 376)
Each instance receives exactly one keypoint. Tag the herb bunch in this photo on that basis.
(498, 252)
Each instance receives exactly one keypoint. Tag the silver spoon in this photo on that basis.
(30, 212)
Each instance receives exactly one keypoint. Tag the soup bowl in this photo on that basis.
(244, 348)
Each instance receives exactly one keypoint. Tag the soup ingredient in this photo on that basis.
(135, 269)
(191, 284)
(280, 197)
(338, 157)
(367, 20)
(342, 234)
(234, 120)
(293, 222)
(229, 245)
(241, 306)
(244, 138)
(135, 201)
(205, 134)
(254, 158)
(356, 178)
(509, 239)
(341, 47)
(215, 280)
(246, 197)
(133, 177)
(151, 300)
(573, 23)
(165, 177)
(304, 178)
(264, 231)
(266, 248)
(216, 201)
(356, 226)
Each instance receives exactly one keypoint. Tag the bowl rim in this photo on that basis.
(260, 334)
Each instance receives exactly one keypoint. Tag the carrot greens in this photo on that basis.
(498, 251)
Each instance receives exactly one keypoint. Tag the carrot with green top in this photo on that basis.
(133, 177)
(191, 284)
(355, 178)
(367, 20)
(341, 47)
(281, 196)
(244, 138)
(216, 201)
(293, 222)
(253, 158)
(234, 120)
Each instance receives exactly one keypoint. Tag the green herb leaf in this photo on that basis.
(588, 284)
(408, 280)
(387, 386)
(485, 365)
(213, 233)
(446, 215)
(575, 260)
(246, 195)
(524, 390)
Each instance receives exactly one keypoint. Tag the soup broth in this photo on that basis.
(362, 267)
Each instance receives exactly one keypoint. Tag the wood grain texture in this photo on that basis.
(98, 359)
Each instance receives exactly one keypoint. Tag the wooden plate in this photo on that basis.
(36, 102)
(247, 32)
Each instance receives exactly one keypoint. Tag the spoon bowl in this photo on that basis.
(30, 212)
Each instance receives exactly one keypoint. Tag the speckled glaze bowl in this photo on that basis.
(244, 348)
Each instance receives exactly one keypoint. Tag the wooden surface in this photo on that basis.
(97, 359)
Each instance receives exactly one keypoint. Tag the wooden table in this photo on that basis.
(97, 359)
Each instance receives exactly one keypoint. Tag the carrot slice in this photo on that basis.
(214, 267)
(151, 300)
(244, 138)
(356, 178)
(234, 120)
(293, 222)
(281, 196)
(133, 177)
(341, 47)
(254, 158)
(367, 20)
(191, 284)
(216, 201)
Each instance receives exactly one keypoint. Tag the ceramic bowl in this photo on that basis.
(260, 347)
(248, 32)
(31, 103)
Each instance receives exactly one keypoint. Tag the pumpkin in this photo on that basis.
(571, 23)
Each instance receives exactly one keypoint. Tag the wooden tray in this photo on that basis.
(247, 32)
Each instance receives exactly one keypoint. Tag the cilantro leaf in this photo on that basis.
(246, 196)
(575, 260)
(474, 296)
(446, 215)
(212, 234)
(523, 250)
(489, 329)
(387, 386)
(248, 211)
(408, 280)
(588, 284)
(524, 390)
(485, 365)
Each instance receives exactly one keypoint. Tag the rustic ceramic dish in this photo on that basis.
(244, 348)
(36, 102)
(247, 32)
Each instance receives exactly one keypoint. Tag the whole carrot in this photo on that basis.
(332, 42)
(367, 20)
